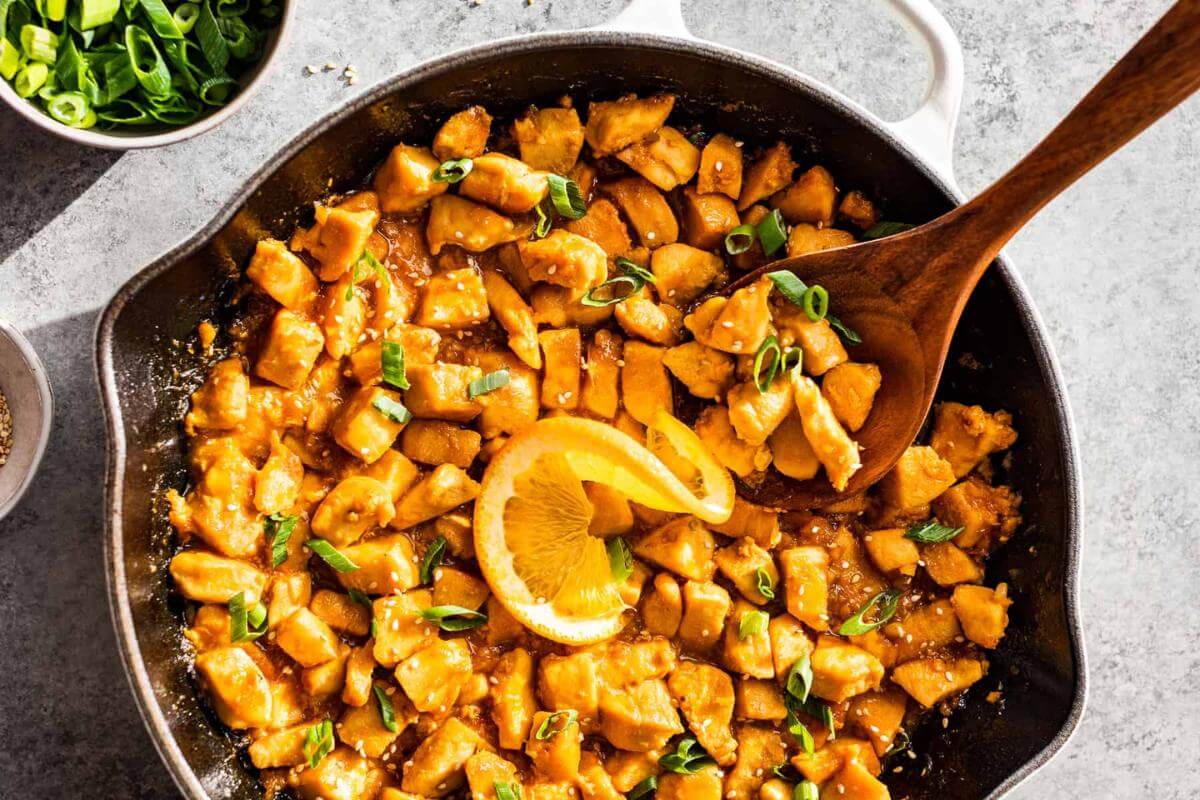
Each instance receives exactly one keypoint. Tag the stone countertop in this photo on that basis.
(1112, 265)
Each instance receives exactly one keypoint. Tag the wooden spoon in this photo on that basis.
(904, 294)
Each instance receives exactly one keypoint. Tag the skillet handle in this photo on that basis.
(929, 130)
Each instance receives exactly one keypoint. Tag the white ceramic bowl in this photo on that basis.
(27, 389)
(131, 138)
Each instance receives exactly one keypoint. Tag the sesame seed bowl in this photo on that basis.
(25, 425)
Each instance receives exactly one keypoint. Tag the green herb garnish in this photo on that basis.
(816, 303)
(848, 334)
(555, 723)
(772, 232)
(643, 789)
(931, 532)
(386, 711)
(433, 559)
(739, 240)
(507, 791)
(620, 559)
(688, 758)
(279, 530)
(246, 623)
(392, 409)
(887, 601)
(453, 618)
(789, 285)
(453, 171)
(882, 229)
(800, 732)
(806, 790)
(764, 584)
(542, 229)
(752, 623)
(318, 742)
(633, 269)
(330, 555)
(488, 383)
(595, 296)
(800, 679)
(391, 362)
(766, 363)
(566, 197)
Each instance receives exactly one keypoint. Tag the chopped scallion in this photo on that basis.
(596, 297)
(643, 789)
(394, 410)
(453, 171)
(432, 560)
(689, 757)
(566, 197)
(806, 790)
(800, 732)
(556, 723)
(39, 44)
(848, 334)
(453, 618)
(764, 584)
(800, 678)
(30, 78)
(331, 555)
(635, 270)
(391, 362)
(620, 559)
(387, 713)
(816, 303)
(772, 232)
(318, 742)
(882, 229)
(279, 530)
(789, 285)
(488, 383)
(752, 623)
(766, 363)
(507, 791)
(739, 240)
(931, 531)
(857, 625)
(246, 622)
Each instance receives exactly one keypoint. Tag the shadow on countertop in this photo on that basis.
(66, 711)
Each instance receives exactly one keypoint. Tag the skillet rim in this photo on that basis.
(134, 666)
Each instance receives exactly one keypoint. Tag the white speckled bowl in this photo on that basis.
(132, 138)
(27, 389)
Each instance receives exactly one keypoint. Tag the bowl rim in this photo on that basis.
(41, 382)
(134, 141)
(1046, 360)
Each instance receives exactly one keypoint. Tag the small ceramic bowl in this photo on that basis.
(132, 138)
(27, 390)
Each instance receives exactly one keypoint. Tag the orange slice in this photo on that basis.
(531, 517)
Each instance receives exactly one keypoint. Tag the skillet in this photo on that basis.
(1000, 358)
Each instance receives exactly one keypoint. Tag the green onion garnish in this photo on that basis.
(453, 618)
(391, 361)
(542, 229)
(800, 679)
(554, 724)
(901, 741)
(786, 772)
(596, 298)
(772, 232)
(488, 383)
(507, 791)
(566, 197)
(185, 17)
(643, 789)
(330, 555)
(882, 229)
(10, 59)
(764, 584)
(31, 78)
(931, 532)
(620, 559)
(806, 790)
(39, 44)
(433, 559)
(887, 601)
(360, 597)
(71, 109)
(453, 171)
(767, 357)
(246, 623)
(739, 240)
(752, 623)
(318, 742)
(849, 335)
(635, 270)
(789, 285)
(816, 303)
(800, 731)
(688, 758)
(279, 530)
(386, 712)
(813, 707)
(392, 409)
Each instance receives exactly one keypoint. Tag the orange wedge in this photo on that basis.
(531, 517)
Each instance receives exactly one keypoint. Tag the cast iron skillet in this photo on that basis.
(1000, 359)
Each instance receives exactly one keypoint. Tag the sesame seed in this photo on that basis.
(650, 235)
(310, 69)
(727, 324)
(718, 166)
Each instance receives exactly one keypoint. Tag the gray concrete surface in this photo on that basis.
(1112, 265)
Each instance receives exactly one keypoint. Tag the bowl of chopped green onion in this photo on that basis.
(130, 74)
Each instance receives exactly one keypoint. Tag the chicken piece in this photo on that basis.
(563, 349)
(805, 238)
(756, 522)
(720, 167)
(405, 181)
(602, 224)
(445, 488)
(837, 452)
(742, 562)
(221, 402)
(282, 275)
(436, 768)
(338, 237)
(759, 700)
(760, 750)
(283, 748)
(918, 477)
(210, 628)
(878, 715)
(326, 680)
(558, 307)
(707, 218)
(453, 587)
(850, 389)
(684, 546)
(821, 346)
(486, 771)
(599, 394)
(431, 441)
(512, 407)
(614, 125)
(554, 745)
(513, 703)
(640, 717)
(662, 609)
(624, 664)
(706, 372)
(341, 775)
(793, 454)
(343, 316)
(983, 613)
(948, 564)
(277, 485)
(341, 613)
(842, 670)
(646, 209)
(240, 693)
(987, 514)
(929, 681)
(628, 769)
(645, 385)
(454, 220)
(566, 259)
(655, 322)
(682, 272)
(857, 208)
(356, 505)
(854, 782)
(433, 676)
(666, 159)
(290, 350)
(367, 425)
(504, 183)
(806, 582)
(965, 435)
(571, 683)
(891, 551)
(715, 430)
(705, 607)
(440, 391)
(209, 578)
(748, 654)
(361, 728)
(385, 565)
(755, 415)
(702, 785)
(360, 669)
(400, 630)
(549, 138)
(766, 176)
(594, 783)
(789, 643)
(516, 317)
(737, 325)
(453, 301)
(809, 199)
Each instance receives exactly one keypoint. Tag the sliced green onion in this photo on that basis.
(542, 228)
(242, 41)
(10, 59)
(360, 597)
(69, 108)
(566, 197)
(643, 789)
(160, 19)
(318, 742)
(246, 623)
(901, 741)
(507, 791)
(739, 240)
(391, 360)
(620, 559)
(30, 79)
(453, 618)
(814, 708)
(931, 532)
(215, 91)
(791, 359)
(635, 270)
(39, 44)
(848, 334)
(800, 679)
(887, 601)
(772, 232)
(279, 530)
(70, 70)
(816, 303)
(688, 758)
(789, 285)
(392, 409)
(595, 296)
(800, 732)
(212, 41)
(764, 584)
(766, 363)
(387, 713)
(752, 623)
(94, 13)
(56, 10)
(882, 229)
(806, 790)
(556, 723)
(786, 772)
(331, 556)
(433, 559)
(453, 171)
(185, 17)
(488, 383)
(147, 62)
